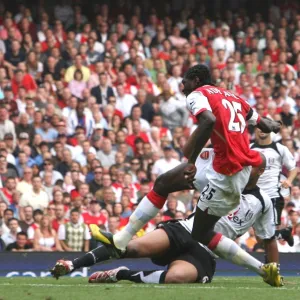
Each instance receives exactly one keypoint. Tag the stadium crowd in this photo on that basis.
(91, 108)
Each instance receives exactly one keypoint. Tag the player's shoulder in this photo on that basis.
(281, 148)
(195, 95)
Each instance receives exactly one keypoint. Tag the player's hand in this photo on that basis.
(286, 184)
(267, 125)
(189, 174)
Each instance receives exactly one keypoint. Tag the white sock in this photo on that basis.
(229, 250)
(144, 212)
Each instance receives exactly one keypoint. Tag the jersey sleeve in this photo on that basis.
(264, 225)
(252, 117)
(196, 103)
(288, 159)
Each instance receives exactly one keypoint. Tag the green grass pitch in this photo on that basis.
(233, 288)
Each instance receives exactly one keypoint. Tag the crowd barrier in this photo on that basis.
(37, 264)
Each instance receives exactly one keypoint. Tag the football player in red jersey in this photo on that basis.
(222, 117)
(224, 121)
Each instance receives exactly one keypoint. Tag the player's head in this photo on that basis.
(261, 136)
(195, 77)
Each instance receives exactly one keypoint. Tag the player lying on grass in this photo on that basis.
(172, 245)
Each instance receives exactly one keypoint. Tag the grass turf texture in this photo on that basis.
(222, 288)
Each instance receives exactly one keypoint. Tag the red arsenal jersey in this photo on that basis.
(230, 135)
(89, 219)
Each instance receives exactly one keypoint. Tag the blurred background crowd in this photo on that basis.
(91, 108)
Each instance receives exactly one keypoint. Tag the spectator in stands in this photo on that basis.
(173, 113)
(6, 193)
(136, 114)
(93, 215)
(6, 172)
(25, 127)
(224, 42)
(7, 127)
(103, 91)
(164, 164)
(37, 216)
(65, 165)
(26, 218)
(7, 215)
(23, 161)
(16, 55)
(96, 183)
(21, 244)
(136, 134)
(125, 101)
(297, 238)
(45, 237)
(78, 65)
(59, 217)
(47, 133)
(11, 236)
(77, 85)
(295, 197)
(146, 106)
(106, 155)
(113, 224)
(81, 117)
(37, 197)
(74, 235)
(293, 219)
(26, 183)
(24, 80)
(49, 167)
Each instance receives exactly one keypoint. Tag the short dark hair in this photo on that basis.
(12, 219)
(22, 233)
(8, 209)
(201, 72)
(76, 210)
(59, 182)
(37, 212)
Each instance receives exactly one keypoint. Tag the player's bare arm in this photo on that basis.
(198, 139)
(291, 176)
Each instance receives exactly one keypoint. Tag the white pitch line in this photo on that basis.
(148, 286)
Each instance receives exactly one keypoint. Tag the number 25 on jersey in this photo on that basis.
(235, 110)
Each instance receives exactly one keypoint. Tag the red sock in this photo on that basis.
(156, 199)
(214, 241)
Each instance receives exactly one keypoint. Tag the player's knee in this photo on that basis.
(197, 236)
(133, 250)
(177, 276)
(202, 237)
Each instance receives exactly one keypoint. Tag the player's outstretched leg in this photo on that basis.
(152, 244)
(177, 179)
(123, 273)
(64, 267)
(178, 272)
(229, 250)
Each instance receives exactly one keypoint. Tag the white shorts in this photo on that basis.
(222, 193)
